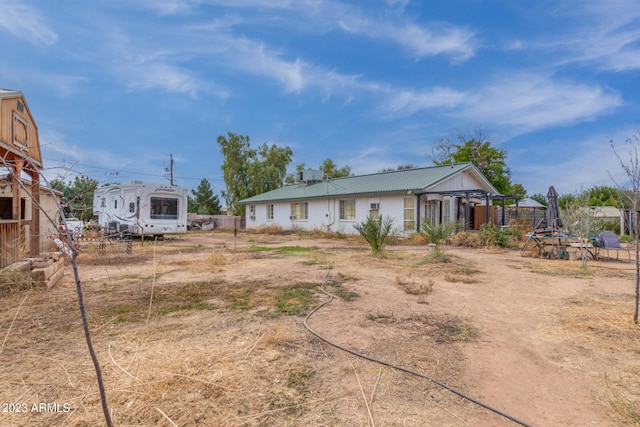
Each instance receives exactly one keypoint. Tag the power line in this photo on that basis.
(120, 172)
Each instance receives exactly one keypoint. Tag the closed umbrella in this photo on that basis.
(553, 210)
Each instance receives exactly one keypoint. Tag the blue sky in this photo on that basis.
(116, 86)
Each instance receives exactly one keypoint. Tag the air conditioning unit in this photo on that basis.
(310, 175)
(375, 206)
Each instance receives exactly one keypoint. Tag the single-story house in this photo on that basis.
(438, 194)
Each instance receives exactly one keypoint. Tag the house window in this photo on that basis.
(132, 207)
(348, 210)
(270, 212)
(409, 214)
(252, 212)
(299, 211)
(164, 208)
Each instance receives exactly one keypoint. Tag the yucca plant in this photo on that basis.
(437, 233)
(377, 232)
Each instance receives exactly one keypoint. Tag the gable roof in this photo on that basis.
(403, 181)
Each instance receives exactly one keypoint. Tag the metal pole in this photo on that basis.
(171, 167)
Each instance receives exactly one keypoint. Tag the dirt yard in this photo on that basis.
(205, 329)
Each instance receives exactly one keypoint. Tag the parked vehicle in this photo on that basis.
(73, 225)
(141, 209)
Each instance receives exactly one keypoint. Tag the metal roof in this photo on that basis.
(403, 181)
(7, 93)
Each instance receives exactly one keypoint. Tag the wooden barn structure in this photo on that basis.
(19, 157)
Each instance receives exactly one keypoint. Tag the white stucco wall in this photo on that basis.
(324, 214)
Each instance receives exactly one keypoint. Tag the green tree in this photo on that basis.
(518, 190)
(605, 196)
(248, 171)
(540, 198)
(328, 167)
(331, 170)
(400, 167)
(77, 196)
(477, 150)
(204, 202)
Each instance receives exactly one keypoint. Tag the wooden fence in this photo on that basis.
(10, 243)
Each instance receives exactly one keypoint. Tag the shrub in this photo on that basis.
(377, 232)
(493, 236)
(437, 233)
(467, 239)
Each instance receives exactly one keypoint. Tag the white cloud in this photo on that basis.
(25, 22)
(407, 102)
(527, 102)
(143, 67)
(420, 40)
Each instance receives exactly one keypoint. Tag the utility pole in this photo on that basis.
(171, 167)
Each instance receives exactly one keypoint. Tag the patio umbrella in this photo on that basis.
(553, 210)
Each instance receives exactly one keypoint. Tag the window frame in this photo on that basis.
(409, 217)
(347, 210)
(299, 211)
(164, 206)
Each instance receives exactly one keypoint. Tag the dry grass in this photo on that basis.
(414, 286)
(225, 345)
(14, 281)
(605, 321)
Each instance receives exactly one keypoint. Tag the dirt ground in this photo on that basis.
(208, 329)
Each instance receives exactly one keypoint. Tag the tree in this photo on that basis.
(605, 196)
(77, 197)
(331, 170)
(247, 171)
(540, 198)
(631, 168)
(399, 167)
(477, 150)
(204, 202)
(518, 190)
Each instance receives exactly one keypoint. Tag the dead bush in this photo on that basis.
(467, 239)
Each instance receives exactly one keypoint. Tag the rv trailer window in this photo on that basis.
(164, 208)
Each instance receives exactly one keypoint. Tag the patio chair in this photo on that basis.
(609, 242)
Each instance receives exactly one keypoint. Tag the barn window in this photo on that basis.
(20, 132)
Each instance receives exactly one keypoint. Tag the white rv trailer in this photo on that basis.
(141, 209)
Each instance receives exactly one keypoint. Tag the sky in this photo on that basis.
(117, 86)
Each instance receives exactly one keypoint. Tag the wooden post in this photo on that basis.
(35, 214)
